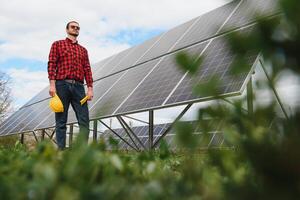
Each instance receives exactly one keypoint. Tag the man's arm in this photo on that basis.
(88, 77)
(52, 66)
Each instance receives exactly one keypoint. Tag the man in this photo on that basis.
(68, 66)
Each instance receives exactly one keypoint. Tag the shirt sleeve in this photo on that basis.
(87, 71)
(52, 62)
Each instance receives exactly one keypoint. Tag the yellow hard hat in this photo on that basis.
(56, 104)
(82, 101)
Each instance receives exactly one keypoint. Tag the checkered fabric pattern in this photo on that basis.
(68, 60)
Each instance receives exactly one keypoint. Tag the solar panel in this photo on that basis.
(112, 64)
(47, 120)
(22, 120)
(136, 54)
(30, 114)
(8, 121)
(109, 103)
(207, 25)
(249, 8)
(167, 41)
(153, 91)
(38, 116)
(217, 63)
(100, 65)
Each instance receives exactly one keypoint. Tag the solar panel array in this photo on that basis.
(212, 139)
(146, 77)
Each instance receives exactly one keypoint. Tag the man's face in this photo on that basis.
(73, 29)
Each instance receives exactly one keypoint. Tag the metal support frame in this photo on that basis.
(151, 129)
(172, 125)
(95, 128)
(231, 103)
(136, 119)
(71, 135)
(274, 89)
(51, 135)
(35, 137)
(132, 132)
(117, 135)
(127, 132)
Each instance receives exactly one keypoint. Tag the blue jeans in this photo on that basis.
(71, 93)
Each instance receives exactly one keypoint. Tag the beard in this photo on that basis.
(74, 34)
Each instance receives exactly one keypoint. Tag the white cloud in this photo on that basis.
(29, 27)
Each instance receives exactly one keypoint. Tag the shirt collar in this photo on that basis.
(69, 40)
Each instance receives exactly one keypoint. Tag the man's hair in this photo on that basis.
(67, 27)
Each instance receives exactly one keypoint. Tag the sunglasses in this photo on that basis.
(75, 27)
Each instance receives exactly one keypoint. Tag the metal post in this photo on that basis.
(43, 135)
(95, 124)
(71, 135)
(52, 134)
(274, 90)
(35, 137)
(250, 97)
(22, 138)
(151, 127)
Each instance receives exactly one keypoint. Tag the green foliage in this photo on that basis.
(264, 163)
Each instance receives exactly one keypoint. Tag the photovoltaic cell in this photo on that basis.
(136, 54)
(47, 120)
(249, 9)
(8, 121)
(13, 121)
(216, 140)
(167, 41)
(217, 63)
(109, 103)
(112, 64)
(156, 87)
(207, 25)
(38, 118)
(100, 65)
(23, 119)
(31, 113)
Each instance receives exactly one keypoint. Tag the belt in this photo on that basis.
(72, 81)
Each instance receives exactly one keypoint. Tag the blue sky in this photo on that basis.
(29, 27)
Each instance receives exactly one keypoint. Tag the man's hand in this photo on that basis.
(90, 93)
(52, 89)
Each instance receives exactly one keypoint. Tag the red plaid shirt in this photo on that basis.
(68, 60)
